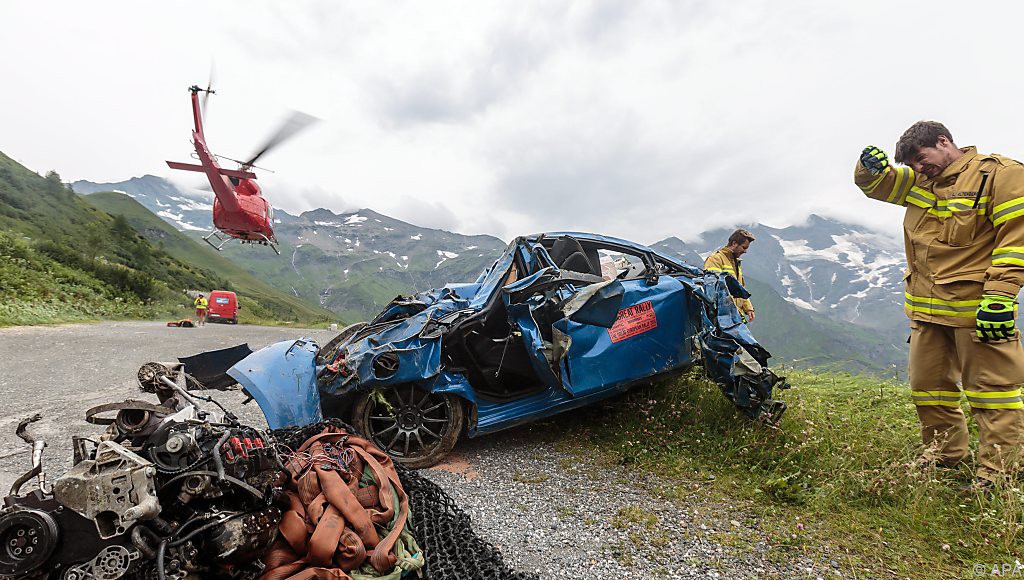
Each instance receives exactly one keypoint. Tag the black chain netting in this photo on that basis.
(451, 548)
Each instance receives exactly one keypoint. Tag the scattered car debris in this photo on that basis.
(174, 490)
(168, 490)
(559, 321)
(183, 323)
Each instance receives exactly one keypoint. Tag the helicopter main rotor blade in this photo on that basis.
(295, 123)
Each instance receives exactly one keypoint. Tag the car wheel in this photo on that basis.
(414, 427)
(328, 351)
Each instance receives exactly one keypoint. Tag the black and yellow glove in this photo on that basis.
(874, 159)
(995, 318)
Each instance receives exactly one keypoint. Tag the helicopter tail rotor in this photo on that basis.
(208, 91)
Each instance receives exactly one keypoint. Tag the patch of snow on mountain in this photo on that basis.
(185, 204)
(801, 303)
(327, 224)
(315, 233)
(158, 202)
(416, 237)
(172, 216)
(392, 254)
(406, 258)
(348, 241)
(299, 246)
(354, 219)
(179, 220)
(387, 229)
(472, 247)
(444, 256)
(123, 192)
(277, 221)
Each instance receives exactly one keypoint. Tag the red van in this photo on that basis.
(223, 307)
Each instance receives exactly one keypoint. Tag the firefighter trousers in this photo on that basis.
(942, 358)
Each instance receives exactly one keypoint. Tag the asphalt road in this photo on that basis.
(60, 371)
(547, 510)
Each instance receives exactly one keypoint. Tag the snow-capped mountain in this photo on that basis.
(186, 211)
(353, 262)
(846, 272)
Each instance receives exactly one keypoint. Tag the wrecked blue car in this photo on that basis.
(559, 321)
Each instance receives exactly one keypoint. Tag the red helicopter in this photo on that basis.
(239, 209)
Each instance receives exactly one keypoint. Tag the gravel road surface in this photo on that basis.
(547, 510)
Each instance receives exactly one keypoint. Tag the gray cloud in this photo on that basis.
(639, 119)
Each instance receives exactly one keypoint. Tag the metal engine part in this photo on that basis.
(115, 489)
(168, 490)
(27, 538)
(70, 543)
(112, 562)
(244, 538)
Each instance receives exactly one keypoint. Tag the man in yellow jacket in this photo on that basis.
(727, 259)
(201, 306)
(964, 236)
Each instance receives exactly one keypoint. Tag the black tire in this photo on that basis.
(418, 429)
(328, 351)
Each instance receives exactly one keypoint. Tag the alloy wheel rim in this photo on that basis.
(411, 423)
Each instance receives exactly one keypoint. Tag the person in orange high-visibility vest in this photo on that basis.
(964, 236)
(201, 305)
(727, 259)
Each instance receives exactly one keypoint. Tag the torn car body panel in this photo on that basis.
(282, 380)
(558, 321)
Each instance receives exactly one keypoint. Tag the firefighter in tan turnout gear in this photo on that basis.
(964, 235)
(727, 259)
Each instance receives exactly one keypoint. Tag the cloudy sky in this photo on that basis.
(632, 118)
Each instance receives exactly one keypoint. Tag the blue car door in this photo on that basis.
(651, 334)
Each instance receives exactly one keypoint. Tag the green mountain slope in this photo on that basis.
(808, 339)
(260, 300)
(65, 259)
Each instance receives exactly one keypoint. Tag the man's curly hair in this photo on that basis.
(920, 134)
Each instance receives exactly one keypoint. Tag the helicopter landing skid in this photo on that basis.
(266, 242)
(221, 240)
(216, 235)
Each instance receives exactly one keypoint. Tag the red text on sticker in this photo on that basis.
(634, 320)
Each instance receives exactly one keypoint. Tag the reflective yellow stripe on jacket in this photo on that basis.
(1008, 255)
(940, 307)
(944, 207)
(1007, 210)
